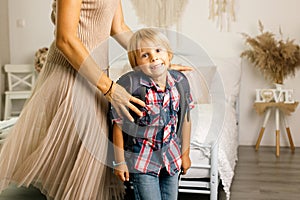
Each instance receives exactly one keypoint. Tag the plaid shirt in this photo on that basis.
(160, 146)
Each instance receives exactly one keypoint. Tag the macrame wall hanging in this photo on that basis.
(159, 13)
(222, 11)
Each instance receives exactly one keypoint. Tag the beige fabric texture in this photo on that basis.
(56, 145)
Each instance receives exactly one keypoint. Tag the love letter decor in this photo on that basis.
(274, 95)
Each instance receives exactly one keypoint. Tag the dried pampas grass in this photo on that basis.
(276, 59)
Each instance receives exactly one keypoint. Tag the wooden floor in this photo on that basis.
(263, 176)
(258, 176)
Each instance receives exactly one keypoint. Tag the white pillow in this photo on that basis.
(230, 72)
(201, 117)
(200, 82)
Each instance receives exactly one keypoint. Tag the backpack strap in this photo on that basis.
(183, 88)
(131, 82)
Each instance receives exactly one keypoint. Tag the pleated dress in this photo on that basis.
(59, 143)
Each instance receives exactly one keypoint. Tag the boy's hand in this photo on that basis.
(186, 164)
(122, 172)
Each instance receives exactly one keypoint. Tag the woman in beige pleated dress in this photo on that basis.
(59, 143)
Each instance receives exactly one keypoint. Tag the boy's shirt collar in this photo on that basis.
(148, 82)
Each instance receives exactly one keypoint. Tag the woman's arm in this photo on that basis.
(119, 29)
(185, 146)
(67, 20)
(121, 170)
(67, 41)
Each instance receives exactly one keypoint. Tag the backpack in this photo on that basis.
(130, 81)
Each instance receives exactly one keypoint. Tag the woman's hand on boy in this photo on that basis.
(180, 67)
(121, 100)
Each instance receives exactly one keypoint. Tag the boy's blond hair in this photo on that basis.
(146, 34)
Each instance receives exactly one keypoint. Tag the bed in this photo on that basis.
(214, 156)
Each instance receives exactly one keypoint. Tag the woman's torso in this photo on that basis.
(93, 28)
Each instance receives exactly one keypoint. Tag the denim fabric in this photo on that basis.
(149, 187)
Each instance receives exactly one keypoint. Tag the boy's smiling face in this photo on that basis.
(153, 60)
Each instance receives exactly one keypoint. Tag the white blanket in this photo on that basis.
(228, 144)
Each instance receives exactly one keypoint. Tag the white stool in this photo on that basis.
(278, 114)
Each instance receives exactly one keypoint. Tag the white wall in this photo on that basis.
(4, 47)
(194, 24)
(35, 32)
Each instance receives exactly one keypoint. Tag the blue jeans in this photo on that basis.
(149, 187)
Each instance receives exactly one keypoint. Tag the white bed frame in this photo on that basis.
(202, 186)
(207, 185)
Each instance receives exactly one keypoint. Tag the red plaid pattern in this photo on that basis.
(160, 146)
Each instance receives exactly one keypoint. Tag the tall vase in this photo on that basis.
(278, 92)
(278, 86)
